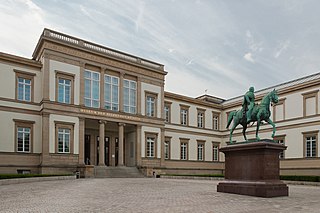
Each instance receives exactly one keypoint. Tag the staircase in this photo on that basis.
(117, 172)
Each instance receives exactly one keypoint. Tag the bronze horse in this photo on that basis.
(260, 112)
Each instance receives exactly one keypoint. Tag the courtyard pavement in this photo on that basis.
(147, 195)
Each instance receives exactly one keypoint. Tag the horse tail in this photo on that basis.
(230, 118)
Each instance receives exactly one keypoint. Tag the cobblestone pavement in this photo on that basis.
(147, 195)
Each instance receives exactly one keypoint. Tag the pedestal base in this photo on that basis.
(258, 189)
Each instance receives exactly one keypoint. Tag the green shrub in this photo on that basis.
(10, 176)
(300, 178)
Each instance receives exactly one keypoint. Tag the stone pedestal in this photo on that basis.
(253, 169)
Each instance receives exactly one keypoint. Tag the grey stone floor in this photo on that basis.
(147, 195)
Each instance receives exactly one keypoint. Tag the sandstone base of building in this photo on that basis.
(253, 169)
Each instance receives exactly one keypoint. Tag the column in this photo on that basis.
(121, 92)
(101, 142)
(45, 138)
(81, 140)
(138, 146)
(121, 137)
(46, 77)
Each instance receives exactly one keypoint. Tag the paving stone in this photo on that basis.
(147, 195)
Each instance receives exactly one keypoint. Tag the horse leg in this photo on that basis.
(244, 132)
(232, 129)
(273, 126)
(258, 125)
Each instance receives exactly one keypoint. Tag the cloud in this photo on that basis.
(248, 57)
(281, 48)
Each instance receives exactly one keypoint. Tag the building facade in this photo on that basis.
(77, 106)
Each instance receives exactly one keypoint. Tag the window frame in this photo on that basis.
(111, 95)
(311, 94)
(23, 124)
(91, 90)
(277, 139)
(203, 144)
(64, 125)
(155, 137)
(168, 105)
(310, 134)
(168, 141)
(186, 142)
(136, 96)
(215, 146)
(203, 120)
(186, 108)
(28, 76)
(217, 116)
(65, 76)
(155, 97)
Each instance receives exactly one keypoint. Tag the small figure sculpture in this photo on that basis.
(252, 112)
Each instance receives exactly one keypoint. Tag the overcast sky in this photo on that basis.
(220, 46)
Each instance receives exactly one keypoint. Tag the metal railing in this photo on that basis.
(101, 49)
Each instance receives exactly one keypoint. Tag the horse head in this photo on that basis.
(274, 96)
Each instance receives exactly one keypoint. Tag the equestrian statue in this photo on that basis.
(252, 112)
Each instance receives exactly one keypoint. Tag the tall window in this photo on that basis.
(167, 112)
(130, 90)
(167, 148)
(215, 152)
(151, 105)
(111, 93)
(280, 140)
(184, 115)
(311, 146)
(200, 119)
(215, 122)
(151, 147)
(63, 140)
(64, 91)
(24, 89)
(184, 151)
(92, 89)
(23, 139)
(200, 151)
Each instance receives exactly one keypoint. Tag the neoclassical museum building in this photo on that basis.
(80, 106)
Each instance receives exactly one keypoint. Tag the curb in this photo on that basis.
(305, 183)
(35, 179)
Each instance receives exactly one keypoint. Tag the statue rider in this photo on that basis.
(248, 103)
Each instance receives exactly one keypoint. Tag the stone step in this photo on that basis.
(117, 172)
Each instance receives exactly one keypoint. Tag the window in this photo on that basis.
(184, 115)
(200, 151)
(310, 144)
(91, 89)
(310, 103)
(184, 149)
(23, 132)
(64, 137)
(280, 140)
(215, 151)
(151, 102)
(279, 110)
(167, 113)
(215, 122)
(167, 148)
(24, 86)
(111, 92)
(130, 90)
(64, 87)
(201, 114)
(151, 145)
(63, 140)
